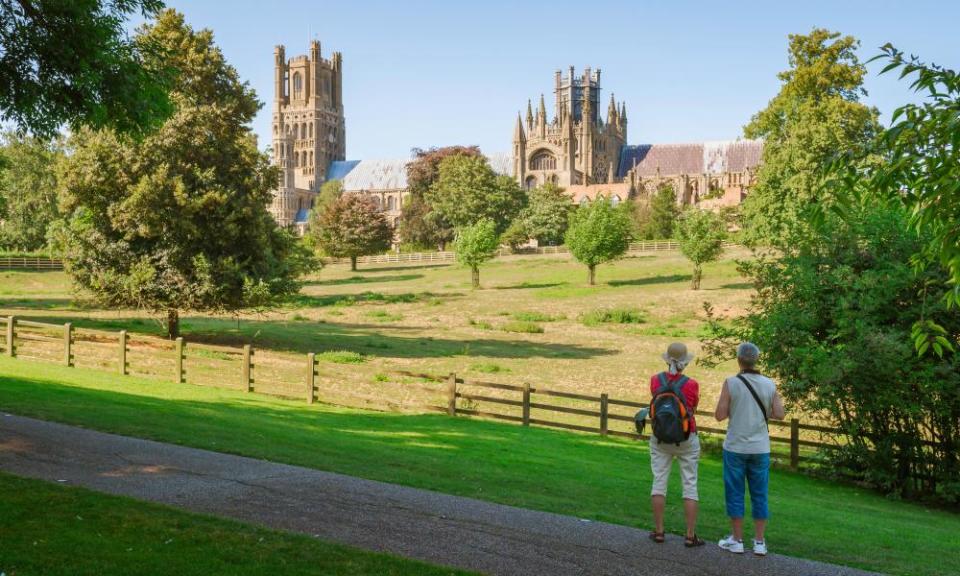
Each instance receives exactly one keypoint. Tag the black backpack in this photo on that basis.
(668, 411)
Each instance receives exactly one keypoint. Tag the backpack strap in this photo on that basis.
(755, 397)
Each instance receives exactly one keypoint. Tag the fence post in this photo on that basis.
(178, 351)
(247, 361)
(122, 360)
(604, 413)
(794, 443)
(311, 375)
(11, 335)
(67, 344)
(526, 403)
(452, 394)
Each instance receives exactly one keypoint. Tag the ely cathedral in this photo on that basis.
(577, 148)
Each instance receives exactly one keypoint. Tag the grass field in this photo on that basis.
(535, 321)
(581, 475)
(49, 529)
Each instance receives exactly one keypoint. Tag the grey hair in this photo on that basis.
(748, 353)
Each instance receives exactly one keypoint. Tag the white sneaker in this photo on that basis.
(731, 545)
(759, 547)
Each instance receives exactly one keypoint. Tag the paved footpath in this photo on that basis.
(438, 528)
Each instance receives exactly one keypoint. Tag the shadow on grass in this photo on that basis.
(530, 285)
(652, 280)
(402, 268)
(363, 280)
(318, 301)
(738, 286)
(302, 337)
(45, 304)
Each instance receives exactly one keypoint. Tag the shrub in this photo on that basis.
(613, 316)
(481, 324)
(522, 327)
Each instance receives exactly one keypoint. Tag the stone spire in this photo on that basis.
(529, 116)
(612, 111)
(518, 133)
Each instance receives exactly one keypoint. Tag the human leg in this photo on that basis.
(733, 488)
(660, 462)
(758, 478)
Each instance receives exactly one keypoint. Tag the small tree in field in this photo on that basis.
(475, 245)
(350, 227)
(700, 235)
(598, 233)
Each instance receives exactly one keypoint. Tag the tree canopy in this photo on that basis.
(28, 191)
(598, 233)
(476, 244)
(178, 220)
(700, 234)
(467, 190)
(816, 113)
(65, 61)
(352, 226)
(659, 220)
(547, 214)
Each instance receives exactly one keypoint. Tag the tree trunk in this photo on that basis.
(475, 274)
(592, 273)
(442, 245)
(697, 273)
(173, 323)
(353, 263)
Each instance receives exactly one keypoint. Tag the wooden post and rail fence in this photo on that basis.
(452, 395)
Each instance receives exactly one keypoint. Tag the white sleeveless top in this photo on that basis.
(746, 430)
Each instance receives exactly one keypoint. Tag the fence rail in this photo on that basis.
(30, 263)
(266, 372)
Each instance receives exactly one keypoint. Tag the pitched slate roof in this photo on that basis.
(696, 158)
(391, 174)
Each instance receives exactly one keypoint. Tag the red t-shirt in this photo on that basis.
(690, 390)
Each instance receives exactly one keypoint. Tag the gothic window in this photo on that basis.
(296, 159)
(554, 179)
(311, 130)
(530, 183)
(311, 157)
(297, 85)
(543, 160)
(286, 84)
(391, 203)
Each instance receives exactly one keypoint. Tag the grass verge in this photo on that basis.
(580, 475)
(58, 530)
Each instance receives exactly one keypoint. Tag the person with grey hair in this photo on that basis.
(748, 399)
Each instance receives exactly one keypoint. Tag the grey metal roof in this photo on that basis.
(696, 158)
(391, 174)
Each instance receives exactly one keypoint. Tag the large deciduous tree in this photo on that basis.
(700, 234)
(352, 226)
(598, 233)
(816, 114)
(69, 61)
(177, 220)
(467, 190)
(656, 218)
(547, 214)
(420, 225)
(476, 244)
(28, 191)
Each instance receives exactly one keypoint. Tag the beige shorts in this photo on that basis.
(661, 458)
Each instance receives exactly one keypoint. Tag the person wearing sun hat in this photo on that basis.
(675, 394)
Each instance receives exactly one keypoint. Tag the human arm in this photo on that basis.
(777, 411)
(723, 404)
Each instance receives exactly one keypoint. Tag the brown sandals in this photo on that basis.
(693, 541)
(657, 537)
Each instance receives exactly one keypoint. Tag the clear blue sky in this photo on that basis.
(433, 73)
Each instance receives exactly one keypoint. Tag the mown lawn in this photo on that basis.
(48, 529)
(580, 475)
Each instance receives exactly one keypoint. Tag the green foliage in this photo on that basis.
(920, 153)
(467, 190)
(700, 234)
(475, 245)
(547, 214)
(489, 368)
(71, 62)
(816, 114)
(330, 192)
(28, 191)
(516, 235)
(834, 314)
(342, 357)
(384, 316)
(352, 226)
(522, 327)
(481, 324)
(598, 233)
(178, 220)
(657, 219)
(536, 317)
(613, 316)
(420, 225)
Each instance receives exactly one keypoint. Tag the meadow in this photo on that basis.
(535, 320)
